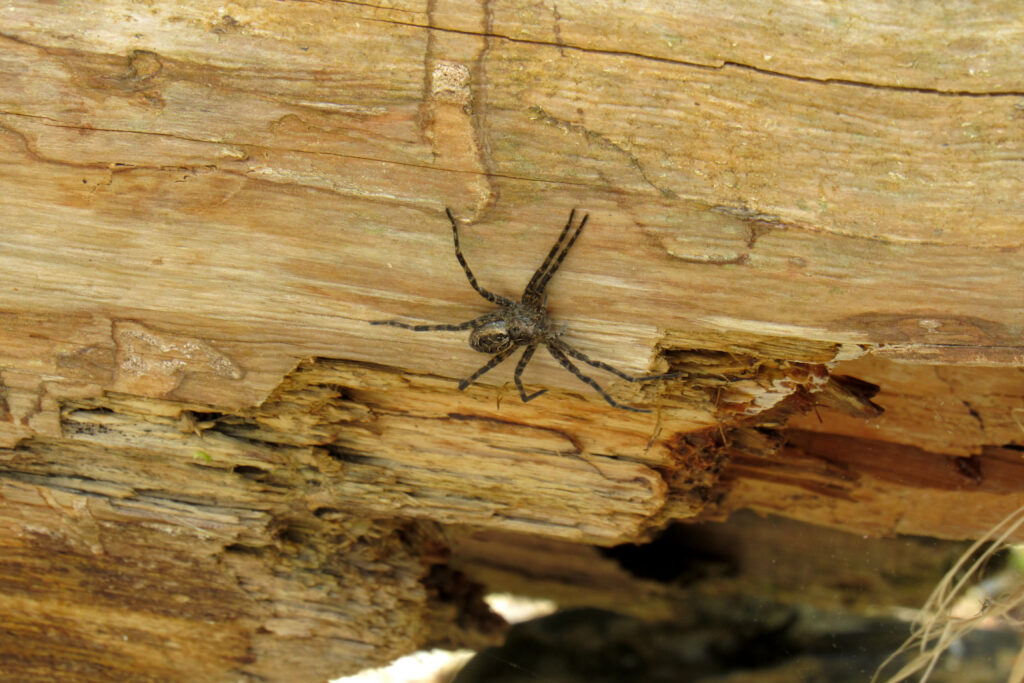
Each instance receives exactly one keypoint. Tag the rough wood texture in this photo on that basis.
(213, 465)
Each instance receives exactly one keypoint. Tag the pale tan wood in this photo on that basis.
(199, 199)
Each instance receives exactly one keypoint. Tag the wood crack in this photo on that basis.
(724, 64)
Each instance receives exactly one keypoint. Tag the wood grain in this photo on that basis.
(204, 204)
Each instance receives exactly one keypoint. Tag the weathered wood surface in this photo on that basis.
(203, 205)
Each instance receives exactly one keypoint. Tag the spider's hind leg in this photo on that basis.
(490, 365)
(527, 355)
(425, 328)
(436, 328)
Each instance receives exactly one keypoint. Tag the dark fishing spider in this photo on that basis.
(526, 323)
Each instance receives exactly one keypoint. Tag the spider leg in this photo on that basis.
(535, 288)
(423, 328)
(551, 255)
(557, 354)
(496, 299)
(432, 328)
(527, 355)
(579, 355)
(494, 361)
(542, 283)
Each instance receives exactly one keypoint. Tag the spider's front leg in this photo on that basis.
(496, 299)
(534, 292)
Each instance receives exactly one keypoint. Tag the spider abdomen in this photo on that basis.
(509, 326)
(491, 337)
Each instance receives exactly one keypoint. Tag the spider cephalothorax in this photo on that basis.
(526, 323)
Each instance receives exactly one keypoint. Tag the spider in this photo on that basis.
(526, 323)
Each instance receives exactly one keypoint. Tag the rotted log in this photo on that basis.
(212, 466)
